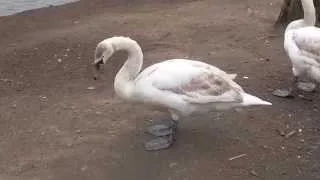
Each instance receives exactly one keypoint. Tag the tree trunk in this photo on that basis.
(292, 10)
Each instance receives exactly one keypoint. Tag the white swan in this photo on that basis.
(182, 86)
(302, 45)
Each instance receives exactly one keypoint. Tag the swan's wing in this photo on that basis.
(207, 87)
(308, 41)
(194, 81)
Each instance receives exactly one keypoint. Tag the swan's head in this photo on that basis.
(103, 52)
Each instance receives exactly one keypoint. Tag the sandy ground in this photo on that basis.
(53, 127)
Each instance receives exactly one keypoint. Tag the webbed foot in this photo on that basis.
(162, 128)
(160, 143)
(306, 86)
(165, 133)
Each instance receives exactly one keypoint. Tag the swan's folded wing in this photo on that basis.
(308, 41)
(207, 88)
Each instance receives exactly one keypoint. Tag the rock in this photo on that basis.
(84, 168)
(91, 88)
(173, 164)
(287, 93)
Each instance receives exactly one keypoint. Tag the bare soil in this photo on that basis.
(54, 127)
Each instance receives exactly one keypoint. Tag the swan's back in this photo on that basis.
(179, 71)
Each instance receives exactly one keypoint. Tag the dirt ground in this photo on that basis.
(54, 127)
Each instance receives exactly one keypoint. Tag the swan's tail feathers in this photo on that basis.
(315, 73)
(249, 100)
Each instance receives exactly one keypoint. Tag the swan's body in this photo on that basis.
(302, 44)
(182, 86)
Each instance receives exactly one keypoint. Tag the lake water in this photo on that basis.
(8, 7)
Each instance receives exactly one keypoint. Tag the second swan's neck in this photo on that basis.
(309, 12)
(124, 79)
(309, 16)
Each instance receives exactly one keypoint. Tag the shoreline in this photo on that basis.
(20, 8)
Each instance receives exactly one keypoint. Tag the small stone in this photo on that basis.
(282, 93)
(78, 131)
(280, 132)
(245, 77)
(59, 60)
(84, 168)
(67, 49)
(173, 164)
(300, 130)
(91, 88)
(42, 133)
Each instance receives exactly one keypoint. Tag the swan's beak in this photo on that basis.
(96, 68)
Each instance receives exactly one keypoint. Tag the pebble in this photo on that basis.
(59, 60)
(282, 93)
(85, 167)
(91, 88)
(173, 164)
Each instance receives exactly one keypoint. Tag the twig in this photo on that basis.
(254, 173)
(290, 134)
(236, 157)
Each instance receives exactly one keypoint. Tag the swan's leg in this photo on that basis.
(165, 136)
(294, 85)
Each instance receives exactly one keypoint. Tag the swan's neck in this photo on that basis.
(309, 16)
(124, 79)
(309, 12)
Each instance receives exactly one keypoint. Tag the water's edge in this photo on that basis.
(17, 6)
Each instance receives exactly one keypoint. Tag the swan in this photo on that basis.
(181, 86)
(302, 45)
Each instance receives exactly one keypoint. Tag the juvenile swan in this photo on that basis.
(182, 86)
(302, 44)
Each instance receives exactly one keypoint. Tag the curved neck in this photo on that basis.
(131, 67)
(309, 12)
(309, 17)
